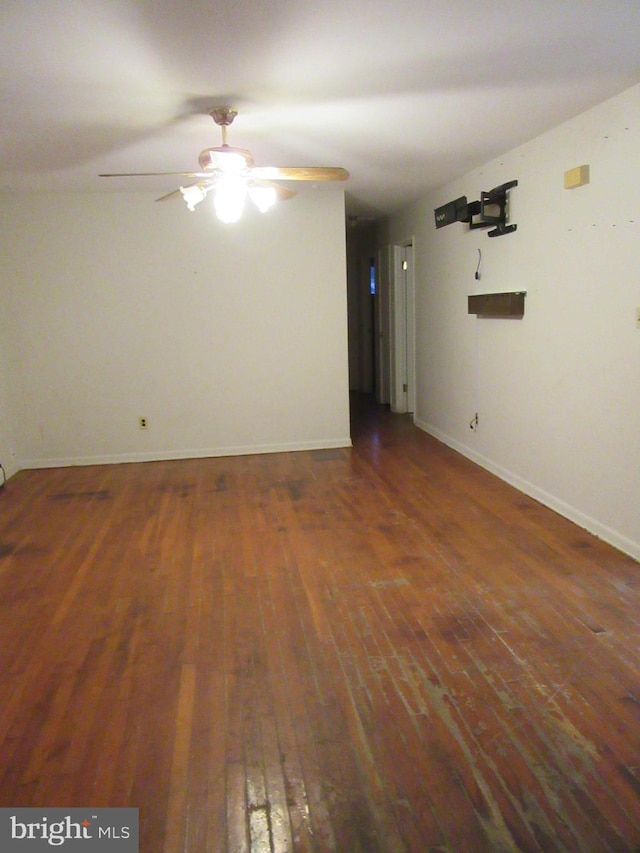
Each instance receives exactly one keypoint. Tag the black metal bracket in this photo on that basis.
(492, 209)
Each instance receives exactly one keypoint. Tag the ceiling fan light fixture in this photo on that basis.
(193, 195)
(230, 174)
(229, 198)
(263, 197)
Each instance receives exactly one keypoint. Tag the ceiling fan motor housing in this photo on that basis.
(225, 157)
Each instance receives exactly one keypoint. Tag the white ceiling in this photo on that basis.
(405, 94)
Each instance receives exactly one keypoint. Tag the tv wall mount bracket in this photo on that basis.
(491, 210)
(495, 198)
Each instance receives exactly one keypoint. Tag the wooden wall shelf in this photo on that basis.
(497, 304)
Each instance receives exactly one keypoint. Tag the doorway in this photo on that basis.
(395, 339)
(381, 312)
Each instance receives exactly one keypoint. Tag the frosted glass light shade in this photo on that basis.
(193, 195)
(263, 197)
(230, 194)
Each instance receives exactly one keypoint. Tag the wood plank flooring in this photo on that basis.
(372, 650)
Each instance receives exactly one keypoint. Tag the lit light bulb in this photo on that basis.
(263, 197)
(193, 195)
(230, 193)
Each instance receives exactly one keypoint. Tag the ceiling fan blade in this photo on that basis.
(282, 193)
(299, 173)
(172, 194)
(156, 174)
(204, 185)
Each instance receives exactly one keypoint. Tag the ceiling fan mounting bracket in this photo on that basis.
(223, 116)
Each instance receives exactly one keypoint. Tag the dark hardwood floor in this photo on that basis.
(376, 650)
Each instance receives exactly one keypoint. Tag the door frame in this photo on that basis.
(383, 326)
(402, 327)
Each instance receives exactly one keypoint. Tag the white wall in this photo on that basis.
(557, 392)
(8, 454)
(228, 338)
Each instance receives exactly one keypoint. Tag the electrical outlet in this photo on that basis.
(143, 423)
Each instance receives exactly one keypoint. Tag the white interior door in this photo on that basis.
(402, 349)
(410, 328)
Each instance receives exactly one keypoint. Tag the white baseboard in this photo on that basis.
(202, 453)
(592, 525)
(11, 468)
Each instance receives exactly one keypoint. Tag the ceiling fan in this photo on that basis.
(230, 173)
